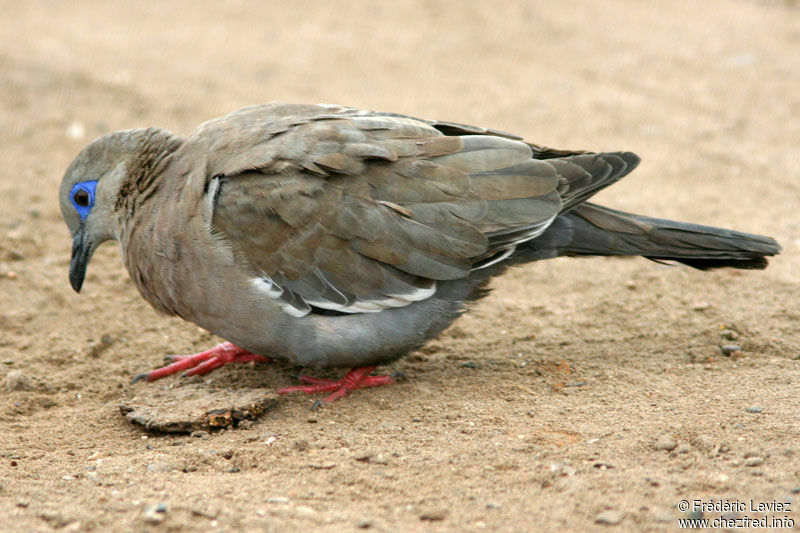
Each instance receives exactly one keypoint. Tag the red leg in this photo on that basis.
(357, 378)
(203, 362)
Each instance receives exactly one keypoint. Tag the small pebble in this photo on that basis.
(363, 456)
(303, 511)
(683, 448)
(754, 409)
(364, 523)
(433, 514)
(728, 349)
(278, 499)
(665, 442)
(576, 383)
(610, 517)
(161, 467)
(703, 442)
(76, 131)
(379, 459)
(16, 380)
(200, 434)
(72, 527)
(729, 334)
(562, 469)
(701, 306)
(56, 519)
(205, 513)
(155, 514)
(322, 466)
(754, 461)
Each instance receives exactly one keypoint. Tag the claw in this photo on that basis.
(201, 363)
(357, 378)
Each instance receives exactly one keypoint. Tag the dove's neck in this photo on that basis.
(149, 152)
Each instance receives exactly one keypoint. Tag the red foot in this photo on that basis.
(203, 362)
(357, 378)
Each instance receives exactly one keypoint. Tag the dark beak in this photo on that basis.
(81, 253)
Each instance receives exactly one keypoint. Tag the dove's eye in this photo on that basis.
(82, 197)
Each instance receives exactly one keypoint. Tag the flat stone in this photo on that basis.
(192, 407)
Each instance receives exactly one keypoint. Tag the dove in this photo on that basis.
(334, 237)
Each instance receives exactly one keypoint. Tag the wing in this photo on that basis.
(355, 211)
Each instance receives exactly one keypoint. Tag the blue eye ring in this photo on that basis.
(82, 197)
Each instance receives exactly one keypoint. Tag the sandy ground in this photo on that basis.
(551, 406)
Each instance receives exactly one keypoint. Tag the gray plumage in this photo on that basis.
(334, 237)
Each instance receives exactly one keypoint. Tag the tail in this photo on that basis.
(594, 230)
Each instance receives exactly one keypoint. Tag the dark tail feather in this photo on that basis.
(594, 230)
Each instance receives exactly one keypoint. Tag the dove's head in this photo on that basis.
(91, 188)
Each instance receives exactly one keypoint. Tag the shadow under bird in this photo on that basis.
(329, 236)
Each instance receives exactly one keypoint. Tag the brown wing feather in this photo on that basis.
(357, 211)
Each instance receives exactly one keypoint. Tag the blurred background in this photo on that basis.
(668, 80)
(707, 93)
